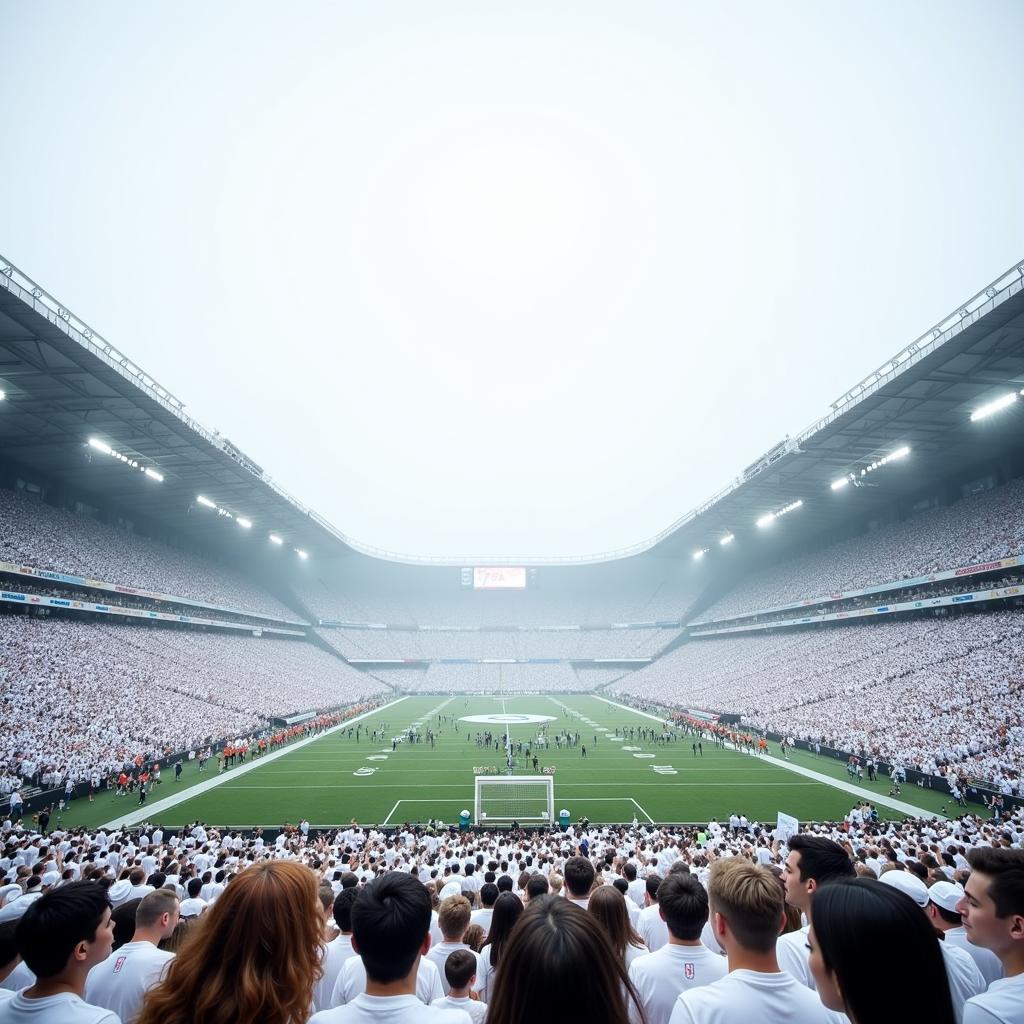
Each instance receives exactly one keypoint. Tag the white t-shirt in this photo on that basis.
(336, 953)
(652, 928)
(482, 917)
(65, 1008)
(20, 977)
(1003, 1003)
(439, 954)
(366, 1009)
(660, 977)
(745, 996)
(965, 979)
(122, 980)
(352, 982)
(988, 963)
(476, 1009)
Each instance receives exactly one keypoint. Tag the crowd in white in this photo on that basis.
(927, 860)
(35, 534)
(943, 693)
(80, 698)
(972, 531)
(499, 679)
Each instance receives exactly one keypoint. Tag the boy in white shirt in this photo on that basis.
(61, 937)
(453, 918)
(748, 911)
(390, 932)
(460, 973)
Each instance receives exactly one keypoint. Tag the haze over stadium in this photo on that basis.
(459, 459)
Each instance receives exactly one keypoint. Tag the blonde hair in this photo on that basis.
(750, 899)
(252, 958)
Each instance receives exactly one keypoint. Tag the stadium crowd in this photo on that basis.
(972, 531)
(35, 534)
(728, 923)
(83, 699)
(942, 695)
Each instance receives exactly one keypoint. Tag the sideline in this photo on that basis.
(149, 812)
(847, 787)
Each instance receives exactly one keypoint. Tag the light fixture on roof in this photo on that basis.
(851, 478)
(700, 552)
(3, 395)
(95, 442)
(302, 554)
(274, 539)
(727, 539)
(769, 518)
(996, 405)
(843, 481)
(154, 475)
(246, 524)
(102, 446)
(206, 502)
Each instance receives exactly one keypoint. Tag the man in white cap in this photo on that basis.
(965, 980)
(943, 898)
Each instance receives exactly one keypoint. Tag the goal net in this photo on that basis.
(524, 798)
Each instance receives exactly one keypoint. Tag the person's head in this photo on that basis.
(391, 926)
(993, 903)
(453, 918)
(608, 905)
(475, 937)
(488, 894)
(849, 974)
(268, 919)
(157, 914)
(343, 904)
(747, 904)
(651, 886)
(460, 970)
(537, 886)
(8, 948)
(684, 906)
(137, 876)
(579, 877)
(124, 921)
(943, 897)
(67, 931)
(555, 941)
(813, 861)
(194, 888)
(508, 908)
(629, 871)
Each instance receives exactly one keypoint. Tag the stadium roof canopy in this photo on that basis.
(65, 385)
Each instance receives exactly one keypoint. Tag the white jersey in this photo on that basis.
(1003, 1003)
(660, 977)
(122, 980)
(652, 928)
(65, 1008)
(745, 996)
(336, 953)
(366, 1009)
(476, 1009)
(352, 982)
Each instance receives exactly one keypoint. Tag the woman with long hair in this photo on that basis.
(608, 905)
(508, 908)
(847, 916)
(558, 965)
(252, 958)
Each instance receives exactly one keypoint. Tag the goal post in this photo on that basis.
(500, 799)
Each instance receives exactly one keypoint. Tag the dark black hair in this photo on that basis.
(488, 894)
(652, 884)
(843, 913)
(460, 967)
(684, 905)
(579, 876)
(538, 885)
(390, 920)
(820, 858)
(124, 922)
(343, 908)
(505, 883)
(8, 944)
(508, 908)
(1006, 869)
(56, 922)
(194, 887)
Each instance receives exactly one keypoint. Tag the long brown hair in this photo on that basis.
(608, 905)
(252, 958)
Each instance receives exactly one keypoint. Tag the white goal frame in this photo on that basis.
(483, 817)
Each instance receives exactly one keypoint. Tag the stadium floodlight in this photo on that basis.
(3, 395)
(246, 524)
(727, 539)
(95, 442)
(700, 553)
(302, 554)
(766, 520)
(997, 405)
(838, 485)
(206, 502)
(154, 475)
(274, 539)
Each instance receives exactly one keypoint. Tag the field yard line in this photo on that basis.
(642, 811)
(847, 787)
(148, 811)
(392, 811)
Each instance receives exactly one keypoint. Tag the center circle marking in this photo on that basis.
(507, 719)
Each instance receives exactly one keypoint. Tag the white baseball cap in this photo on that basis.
(907, 882)
(946, 895)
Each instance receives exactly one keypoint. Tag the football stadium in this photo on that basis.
(546, 270)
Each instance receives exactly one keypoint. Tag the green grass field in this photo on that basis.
(417, 782)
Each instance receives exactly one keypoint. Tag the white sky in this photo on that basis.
(537, 278)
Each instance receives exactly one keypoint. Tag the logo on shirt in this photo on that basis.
(119, 963)
(689, 971)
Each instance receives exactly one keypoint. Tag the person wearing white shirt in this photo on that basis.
(338, 951)
(684, 962)
(453, 917)
(193, 906)
(993, 916)
(942, 900)
(16, 906)
(390, 934)
(635, 885)
(460, 974)
(122, 980)
(578, 877)
(748, 911)
(482, 916)
(650, 924)
(62, 936)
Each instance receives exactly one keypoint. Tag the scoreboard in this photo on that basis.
(492, 577)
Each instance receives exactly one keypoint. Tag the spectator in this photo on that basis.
(608, 905)
(460, 973)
